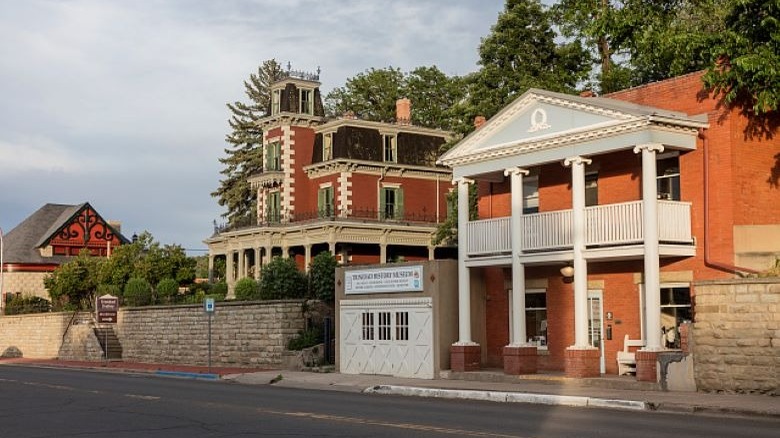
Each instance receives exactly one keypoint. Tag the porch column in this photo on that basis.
(582, 360)
(211, 268)
(230, 275)
(383, 253)
(519, 356)
(431, 253)
(464, 354)
(646, 357)
(285, 252)
(306, 256)
(257, 262)
(241, 274)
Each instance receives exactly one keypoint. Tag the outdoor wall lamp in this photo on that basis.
(567, 271)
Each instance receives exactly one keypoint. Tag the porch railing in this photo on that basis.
(606, 225)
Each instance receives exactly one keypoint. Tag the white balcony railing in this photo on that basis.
(606, 225)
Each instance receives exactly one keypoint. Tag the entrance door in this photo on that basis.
(596, 324)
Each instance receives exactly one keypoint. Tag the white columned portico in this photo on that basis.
(517, 334)
(464, 276)
(580, 265)
(652, 268)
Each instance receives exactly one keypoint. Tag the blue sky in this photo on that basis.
(122, 103)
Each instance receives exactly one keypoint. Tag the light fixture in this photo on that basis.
(567, 271)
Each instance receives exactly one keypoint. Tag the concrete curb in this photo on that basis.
(509, 397)
(186, 375)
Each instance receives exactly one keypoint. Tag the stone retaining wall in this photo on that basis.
(736, 336)
(34, 336)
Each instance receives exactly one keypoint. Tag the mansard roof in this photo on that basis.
(546, 126)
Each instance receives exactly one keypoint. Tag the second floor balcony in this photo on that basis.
(611, 225)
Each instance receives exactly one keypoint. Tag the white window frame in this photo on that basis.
(327, 146)
(309, 109)
(526, 309)
(393, 148)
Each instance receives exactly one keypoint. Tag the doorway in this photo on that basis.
(596, 324)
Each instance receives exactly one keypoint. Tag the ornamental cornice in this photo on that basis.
(385, 302)
(289, 118)
(268, 178)
(375, 168)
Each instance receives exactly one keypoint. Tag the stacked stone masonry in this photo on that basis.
(736, 336)
(33, 336)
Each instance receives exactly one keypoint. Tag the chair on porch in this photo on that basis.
(626, 359)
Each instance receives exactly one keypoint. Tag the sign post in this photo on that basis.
(208, 306)
(106, 308)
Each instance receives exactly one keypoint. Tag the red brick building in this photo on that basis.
(367, 192)
(596, 217)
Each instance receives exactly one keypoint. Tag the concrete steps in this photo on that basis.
(112, 349)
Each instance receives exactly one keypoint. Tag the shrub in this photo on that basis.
(247, 289)
(322, 277)
(138, 292)
(306, 338)
(167, 288)
(108, 289)
(218, 289)
(281, 279)
(27, 304)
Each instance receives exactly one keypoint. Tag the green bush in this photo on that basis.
(22, 304)
(247, 289)
(306, 338)
(219, 289)
(138, 292)
(280, 279)
(167, 288)
(108, 289)
(322, 277)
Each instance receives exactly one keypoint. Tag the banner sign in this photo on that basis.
(384, 280)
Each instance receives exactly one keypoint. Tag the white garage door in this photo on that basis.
(387, 336)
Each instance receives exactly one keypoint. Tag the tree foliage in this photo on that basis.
(281, 279)
(137, 292)
(72, 285)
(247, 289)
(166, 290)
(322, 277)
(243, 156)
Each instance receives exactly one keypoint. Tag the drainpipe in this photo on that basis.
(379, 191)
(721, 266)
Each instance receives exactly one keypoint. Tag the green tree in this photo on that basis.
(246, 289)
(244, 157)
(745, 58)
(370, 95)
(281, 279)
(166, 289)
(72, 285)
(519, 53)
(138, 292)
(322, 277)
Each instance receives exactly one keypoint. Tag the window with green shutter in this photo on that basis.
(274, 156)
(392, 201)
(274, 207)
(325, 202)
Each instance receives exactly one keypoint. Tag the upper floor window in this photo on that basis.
(274, 156)
(531, 194)
(668, 178)
(276, 101)
(306, 101)
(327, 146)
(392, 203)
(390, 148)
(591, 189)
(274, 207)
(325, 201)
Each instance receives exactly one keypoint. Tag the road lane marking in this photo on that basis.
(408, 426)
(142, 397)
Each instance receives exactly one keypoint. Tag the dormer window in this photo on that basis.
(327, 146)
(390, 148)
(306, 102)
(276, 101)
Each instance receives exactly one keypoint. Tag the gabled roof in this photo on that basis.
(541, 120)
(21, 244)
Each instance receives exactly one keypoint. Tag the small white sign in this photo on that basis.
(384, 280)
(209, 305)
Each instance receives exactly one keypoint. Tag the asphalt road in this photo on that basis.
(36, 402)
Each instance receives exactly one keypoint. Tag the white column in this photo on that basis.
(241, 273)
(517, 335)
(382, 253)
(229, 274)
(652, 263)
(580, 265)
(257, 262)
(464, 277)
(431, 253)
(211, 270)
(307, 256)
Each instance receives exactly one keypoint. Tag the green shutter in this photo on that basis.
(382, 202)
(321, 202)
(399, 203)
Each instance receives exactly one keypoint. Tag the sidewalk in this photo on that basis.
(610, 392)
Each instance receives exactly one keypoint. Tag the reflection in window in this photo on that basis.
(668, 178)
(675, 309)
(536, 317)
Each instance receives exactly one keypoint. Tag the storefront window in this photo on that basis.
(675, 309)
(536, 317)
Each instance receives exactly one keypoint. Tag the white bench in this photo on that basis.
(626, 359)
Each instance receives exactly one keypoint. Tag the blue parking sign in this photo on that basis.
(209, 305)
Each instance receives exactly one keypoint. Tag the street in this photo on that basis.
(40, 402)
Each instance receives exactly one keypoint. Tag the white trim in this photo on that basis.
(384, 302)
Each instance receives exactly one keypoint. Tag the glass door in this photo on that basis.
(596, 324)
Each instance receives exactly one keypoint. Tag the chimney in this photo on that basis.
(587, 93)
(479, 121)
(403, 111)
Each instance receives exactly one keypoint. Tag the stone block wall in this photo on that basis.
(33, 336)
(26, 283)
(242, 334)
(736, 335)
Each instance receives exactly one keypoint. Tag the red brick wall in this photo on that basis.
(303, 140)
(497, 316)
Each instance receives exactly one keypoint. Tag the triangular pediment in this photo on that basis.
(541, 117)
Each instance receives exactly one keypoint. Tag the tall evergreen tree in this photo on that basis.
(244, 155)
(370, 95)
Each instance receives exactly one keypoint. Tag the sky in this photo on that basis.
(122, 103)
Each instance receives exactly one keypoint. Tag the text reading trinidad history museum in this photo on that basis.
(383, 280)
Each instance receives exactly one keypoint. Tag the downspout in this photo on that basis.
(379, 191)
(722, 266)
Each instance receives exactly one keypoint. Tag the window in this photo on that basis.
(276, 99)
(392, 203)
(274, 207)
(325, 201)
(591, 189)
(384, 326)
(327, 146)
(390, 148)
(274, 156)
(675, 309)
(531, 194)
(307, 103)
(536, 317)
(368, 326)
(668, 178)
(401, 326)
